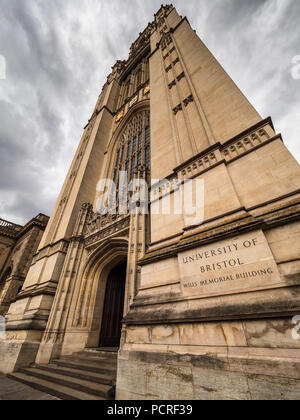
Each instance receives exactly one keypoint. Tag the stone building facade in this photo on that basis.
(208, 308)
(18, 244)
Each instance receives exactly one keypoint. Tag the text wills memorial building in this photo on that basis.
(197, 310)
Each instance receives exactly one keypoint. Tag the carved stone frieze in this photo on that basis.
(231, 150)
(97, 222)
(115, 226)
(164, 187)
(200, 165)
(244, 144)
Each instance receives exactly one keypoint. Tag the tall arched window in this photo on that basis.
(126, 91)
(133, 153)
(139, 78)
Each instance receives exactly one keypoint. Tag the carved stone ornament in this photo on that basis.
(120, 116)
(87, 207)
(142, 40)
(133, 101)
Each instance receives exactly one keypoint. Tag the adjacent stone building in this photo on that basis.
(197, 310)
(18, 244)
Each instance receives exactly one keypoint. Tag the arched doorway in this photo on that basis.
(113, 307)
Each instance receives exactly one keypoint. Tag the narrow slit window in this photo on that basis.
(128, 150)
(132, 168)
(140, 141)
(148, 157)
(147, 135)
(122, 155)
(134, 145)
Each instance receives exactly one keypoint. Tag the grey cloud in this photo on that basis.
(58, 56)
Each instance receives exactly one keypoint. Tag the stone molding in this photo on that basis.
(233, 149)
(217, 154)
(42, 289)
(251, 305)
(282, 213)
(60, 246)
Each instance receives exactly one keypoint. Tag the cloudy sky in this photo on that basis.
(59, 52)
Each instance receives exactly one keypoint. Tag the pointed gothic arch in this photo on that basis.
(135, 109)
(127, 151)
(90, 303)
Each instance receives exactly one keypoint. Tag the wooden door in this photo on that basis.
(113, 307)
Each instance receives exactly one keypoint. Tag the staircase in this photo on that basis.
(87, 375)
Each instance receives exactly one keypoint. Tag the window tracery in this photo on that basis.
(135, 140)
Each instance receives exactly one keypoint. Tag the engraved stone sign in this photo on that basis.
(243, 263)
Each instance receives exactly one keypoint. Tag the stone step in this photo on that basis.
(105, 355)
(97, 359)
(96, 362)
(113, 349)
(80, 374)
(59, 391)
(102, 349)
(90, 366)
(88, 387)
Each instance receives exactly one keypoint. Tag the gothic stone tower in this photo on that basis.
(207, 307)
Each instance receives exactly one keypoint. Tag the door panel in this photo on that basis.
(113, 307)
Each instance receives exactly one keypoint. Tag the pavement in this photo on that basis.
(15, 391)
